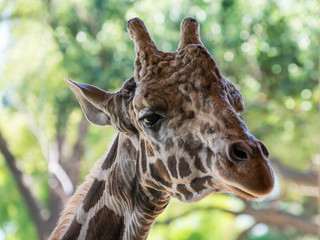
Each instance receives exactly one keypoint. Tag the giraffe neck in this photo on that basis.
(117, 205)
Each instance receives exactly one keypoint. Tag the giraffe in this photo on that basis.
(180, 136)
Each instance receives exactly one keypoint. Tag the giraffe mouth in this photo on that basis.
(241, 192)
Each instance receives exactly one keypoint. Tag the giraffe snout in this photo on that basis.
(250, 174)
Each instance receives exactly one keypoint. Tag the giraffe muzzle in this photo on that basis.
(249, 174)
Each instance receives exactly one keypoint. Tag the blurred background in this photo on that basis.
(268, 48)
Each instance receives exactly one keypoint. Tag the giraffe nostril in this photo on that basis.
(238, 152)
(264, 150)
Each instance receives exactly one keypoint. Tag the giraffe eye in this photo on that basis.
(151, 120)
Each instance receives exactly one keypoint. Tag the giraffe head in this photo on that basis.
(184, 117)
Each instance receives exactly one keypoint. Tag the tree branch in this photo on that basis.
(269, 216)
(305, 178)
(193, 210)
(281, 219)
(30, 201)
(73, 162)
(50, 152)
(245, 233)
(57, 201)
(86, 18)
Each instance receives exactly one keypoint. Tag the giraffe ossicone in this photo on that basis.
(180, 135)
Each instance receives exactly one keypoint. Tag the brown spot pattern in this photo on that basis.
(107, 225)
(128, 146)
(172, 165)
(157, 147)
(180, 143)
(154, 185)
(198, 164)
(209, 158)
(160, 173)
(150, 151)
(169, 144)
(178, 196)
(184, 169)
(193, 148)
(208, 129)
(184, 191)
(143, 156)
(73, 231)
(189, 115)
(111, 155)
(94, 194)
(197, 184)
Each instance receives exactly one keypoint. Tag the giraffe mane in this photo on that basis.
(74, 202)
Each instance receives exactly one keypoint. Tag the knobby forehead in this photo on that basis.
(163, 78)
(191, 70)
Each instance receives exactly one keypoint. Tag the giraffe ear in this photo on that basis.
(234, 96)
(93, 102)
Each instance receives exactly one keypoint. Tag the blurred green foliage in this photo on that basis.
(269, 49)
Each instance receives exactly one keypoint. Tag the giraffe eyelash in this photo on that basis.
(242, 115)
(151, 120)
